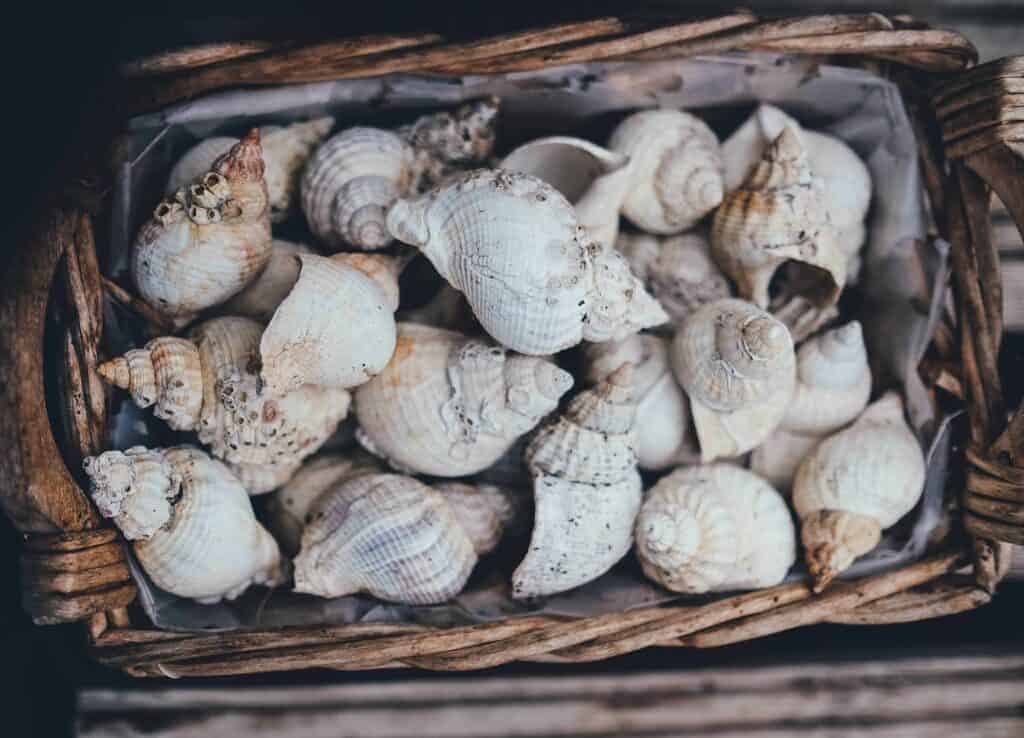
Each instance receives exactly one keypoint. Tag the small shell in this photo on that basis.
(383, 269)
(446, 142)
(779, 456)
(485, 511)
(449, 406)
(390, 536)
(677, 169)
(260, 299)
(190, 521)
(587, 490)
(854, 485)
(335, 329)
(714, 528)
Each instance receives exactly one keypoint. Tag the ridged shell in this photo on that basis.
(449, 405)
(388, 535)
(587, 490)
(209, 240)
(190, 521)
(677, 169)
(445, 142)
(260, 299)
(714, 528)
(485, 511)
(512, 245)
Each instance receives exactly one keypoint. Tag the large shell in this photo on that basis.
(778, 457)
(449, 405)
(190, 521)
(485, 511)
(512, 244)
(388, 535)
(587, 490)
(335, 329)
(209, 240)
(854, 485)
(260, 299)
(736, 364)
(714, 528)
(446, 142)
(677, 169)
(779, 215)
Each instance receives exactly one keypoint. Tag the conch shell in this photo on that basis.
(388, 535)
(677, 270)
(285, 151)
(485, 511)
(513, 246)
(779, 215)
(447, 142)
(449, 405)
(854, 485)
(737, 366)
(593, 178)
(666, 436)
(677, 169)
(209, 240)
(260, 299)
(587, 490)
(190, 521)
(714, 528)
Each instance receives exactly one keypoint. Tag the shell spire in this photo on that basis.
(244, 162)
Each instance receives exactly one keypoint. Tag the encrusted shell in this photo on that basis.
(387, 535)
(677, 169)
(714, 528)
(446, 142)
(260, 299)
(190, 521)
(485, 511)
(449, 405)
(512, 245)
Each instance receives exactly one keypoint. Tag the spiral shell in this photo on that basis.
(485, 511)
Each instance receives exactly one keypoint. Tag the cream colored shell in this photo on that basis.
(779, 456)
(714, 528)
(260, 299)
(485, 511)
(190, 521)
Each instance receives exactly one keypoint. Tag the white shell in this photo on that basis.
(714, 528)
(512, 245)
(260, 299)
(587, 490)
(677, 169)
(449, 405)
(390, 536)
(190, 521)
(485, 511)
(779, 456)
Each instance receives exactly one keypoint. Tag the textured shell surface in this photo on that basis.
(485, 511)
(446, 142)
(209, 240)
(383, 269)
(714, 528)
(209, 546)
(677, 169)
(449, 405)
(513, 246)
(260, 299)
(387, 535)
(587, 490)
(335, 329)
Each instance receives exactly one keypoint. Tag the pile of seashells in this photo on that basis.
(708, 331)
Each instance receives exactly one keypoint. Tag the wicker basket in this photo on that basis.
(971, 141)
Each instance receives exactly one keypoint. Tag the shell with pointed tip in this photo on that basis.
(335, 329)
(854, 485)
(190, 521)
(677, 169)
(387, 535)
(587, 490)
(446, 142)
(513, 246)
(737, 366)
(209, 240)
(485, 511)
(260, 299)
(666, 436)
(449, 405)
(714, 528)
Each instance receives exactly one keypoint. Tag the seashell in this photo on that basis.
(383, 269)
(206, 383)
(334, 330)
(714, 528)
(666, 436)
(449, 405)
(779, 215)
(446, 142)
(854, 485)
(737, 366)
(287, 508)
(260, 299)
(677, 270)
(587, 490)
(677, 169)
(285, 151)
(800, 315)
(387, 535)
(593, 178)
(208, 241)
(512, 245)
(190, 521)
(778, 457)
(485, 511)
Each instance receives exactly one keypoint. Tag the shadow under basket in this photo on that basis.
(970, 144)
